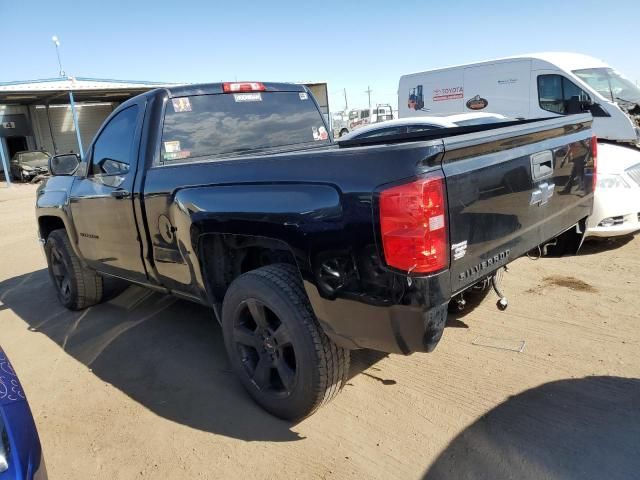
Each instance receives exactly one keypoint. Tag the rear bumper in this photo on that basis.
(400, 329)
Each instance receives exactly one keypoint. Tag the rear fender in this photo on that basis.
(279, 216)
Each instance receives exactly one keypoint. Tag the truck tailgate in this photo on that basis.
(513, 190)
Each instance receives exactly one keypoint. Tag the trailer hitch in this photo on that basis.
(496, 283)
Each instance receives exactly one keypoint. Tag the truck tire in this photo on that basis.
(276, 346)
(77, 286)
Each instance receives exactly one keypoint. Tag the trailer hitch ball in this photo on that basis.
(502, 303)
(460, 303)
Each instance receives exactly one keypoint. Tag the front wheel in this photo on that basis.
(276, 346)
(77, 286)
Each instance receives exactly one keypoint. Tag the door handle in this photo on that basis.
(541, 165)
(120, 193)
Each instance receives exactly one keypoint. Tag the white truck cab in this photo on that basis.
(359, 117)
(545, 85)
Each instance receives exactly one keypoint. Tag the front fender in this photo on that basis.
(52, 201)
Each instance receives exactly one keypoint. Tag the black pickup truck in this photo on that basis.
(234, 195)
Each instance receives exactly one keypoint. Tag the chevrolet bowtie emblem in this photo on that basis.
(542, 194)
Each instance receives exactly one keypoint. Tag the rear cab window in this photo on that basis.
(220, 126)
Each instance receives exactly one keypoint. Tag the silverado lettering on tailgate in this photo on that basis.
(477, 270)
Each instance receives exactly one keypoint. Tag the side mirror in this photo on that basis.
(65, 164)
(598, 111)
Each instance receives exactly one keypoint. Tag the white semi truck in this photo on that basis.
(546, 85)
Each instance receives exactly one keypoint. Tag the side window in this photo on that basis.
(557, 94)
(113, 150)
(364, 114)
(571, 91)
(550, 95)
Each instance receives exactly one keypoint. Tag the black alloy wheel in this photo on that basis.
(265, 348)
(276, 346)
(77, 286)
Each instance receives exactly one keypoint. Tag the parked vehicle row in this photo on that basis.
(234, 196)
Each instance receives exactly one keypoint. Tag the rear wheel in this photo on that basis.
(343, 132)
(77, 286)
(276, 346)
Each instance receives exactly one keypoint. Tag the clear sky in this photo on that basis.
(350, 45)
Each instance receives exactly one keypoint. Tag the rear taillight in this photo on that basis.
(243, 87)
(594, 154)
(413, 225)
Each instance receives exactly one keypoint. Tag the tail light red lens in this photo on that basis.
(243, 87)
(594, 154)
(413, 225)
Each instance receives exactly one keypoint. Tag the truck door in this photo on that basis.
(101, 200)
(553, 93)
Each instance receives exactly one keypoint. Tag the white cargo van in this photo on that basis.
(545, 85)
(529, 86)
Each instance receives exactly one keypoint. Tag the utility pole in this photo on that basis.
(346, 104)
(72, 102)
(368, 92)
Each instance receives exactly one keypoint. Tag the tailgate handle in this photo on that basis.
(541, 165)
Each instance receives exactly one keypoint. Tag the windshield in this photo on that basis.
(228, 124)
(610, 84)
(34, 159)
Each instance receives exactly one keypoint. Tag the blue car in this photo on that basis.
(20, 450)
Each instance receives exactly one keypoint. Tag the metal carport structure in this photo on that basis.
(26, 107)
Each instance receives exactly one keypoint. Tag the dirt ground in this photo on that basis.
(139, 387)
